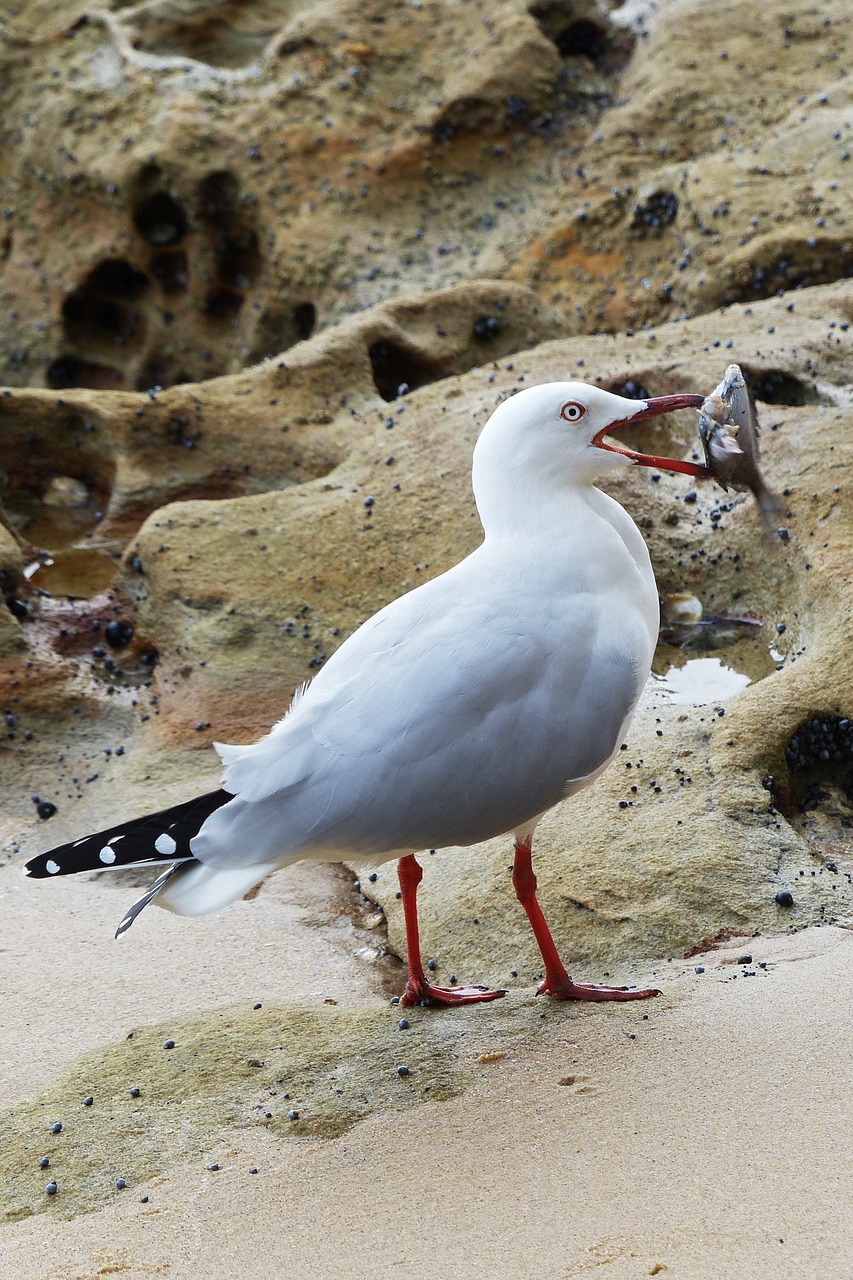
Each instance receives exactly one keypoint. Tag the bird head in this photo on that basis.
(546, 439)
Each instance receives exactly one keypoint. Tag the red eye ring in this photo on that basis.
(572, 411)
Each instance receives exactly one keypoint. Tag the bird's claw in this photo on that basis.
(565, 989)
(424, 993)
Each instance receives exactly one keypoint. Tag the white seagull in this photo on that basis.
(463, 710)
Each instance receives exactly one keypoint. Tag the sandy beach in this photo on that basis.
(704, 1134)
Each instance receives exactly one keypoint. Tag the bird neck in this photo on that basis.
(536, 512)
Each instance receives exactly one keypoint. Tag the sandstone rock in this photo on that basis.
(135, 452)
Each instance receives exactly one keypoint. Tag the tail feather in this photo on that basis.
(151, 892)
(154, 839)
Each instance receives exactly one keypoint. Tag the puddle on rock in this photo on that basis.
(687, 671)
(74, 571)
(58, 519)
(695, 682)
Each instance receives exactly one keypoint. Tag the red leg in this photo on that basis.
(418, 989)
(557, 982)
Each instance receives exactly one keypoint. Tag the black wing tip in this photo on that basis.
(36, 868)
(154, 839)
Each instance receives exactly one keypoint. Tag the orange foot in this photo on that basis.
(425, 993)
(565, 989)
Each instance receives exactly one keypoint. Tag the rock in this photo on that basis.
(11, 554)
(66, 491)
(135, 452)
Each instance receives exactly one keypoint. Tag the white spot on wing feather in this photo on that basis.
(165, 844)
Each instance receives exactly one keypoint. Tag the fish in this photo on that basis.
(728, 429)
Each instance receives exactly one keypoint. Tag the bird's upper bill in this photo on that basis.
(652, 408)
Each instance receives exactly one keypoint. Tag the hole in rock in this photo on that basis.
(218, 196)
(170, 271)
(90, 320)
(55, 490)
(818, 794)
(160, 219)
(794, 265)
(116, 278)
(279, 327)
(233, 36)
(237, 247)
(580, 36)
(72, 371)
(395, 368)
(222, 304)
(583, 38)
(775, 386)
(304, 316)
(685, 668)
(238, 259)
(161, 371)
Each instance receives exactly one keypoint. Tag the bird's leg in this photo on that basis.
(418, 989)
(557, 982)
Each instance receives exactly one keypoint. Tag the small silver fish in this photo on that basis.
(728, 429)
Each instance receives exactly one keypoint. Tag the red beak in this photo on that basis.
(652, 409)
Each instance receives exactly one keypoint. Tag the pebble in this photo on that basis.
(168, 1044)
(213, 1168)
(784, 898)
(403, 1024)
(118, 634)
(56, 1127)
(403, 1071)
(87, 1102)
(120, 1184)
(44, 1163)
(293, 1115)
(744, 959)
(46, 810)
(50, 1189)
(133, 1091)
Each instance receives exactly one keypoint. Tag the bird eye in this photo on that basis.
(572, 411)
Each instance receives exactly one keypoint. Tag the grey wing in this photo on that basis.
(467, 727)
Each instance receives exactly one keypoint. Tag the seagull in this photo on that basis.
(462, 711)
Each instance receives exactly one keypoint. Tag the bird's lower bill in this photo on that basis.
(653, 408)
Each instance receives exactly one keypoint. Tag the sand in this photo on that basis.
(703, 1135)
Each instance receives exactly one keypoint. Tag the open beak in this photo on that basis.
(651, 409)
